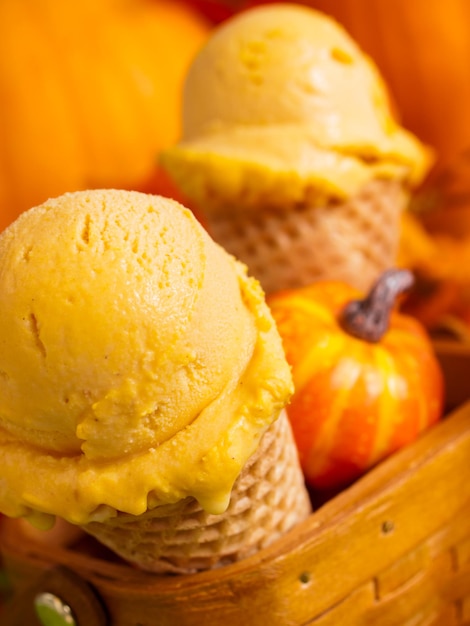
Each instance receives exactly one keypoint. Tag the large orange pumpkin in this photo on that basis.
(366, 379)
(90, 92)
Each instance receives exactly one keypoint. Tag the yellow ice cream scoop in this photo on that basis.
(139, 364)
(279, 102)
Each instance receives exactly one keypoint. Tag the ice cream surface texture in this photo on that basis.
(139, 364)
(280, 107)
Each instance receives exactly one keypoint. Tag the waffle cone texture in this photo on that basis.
(268, 499)
(353, 241)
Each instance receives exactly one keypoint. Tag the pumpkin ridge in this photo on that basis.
(386, 368)
(302, 370)
(347, 373)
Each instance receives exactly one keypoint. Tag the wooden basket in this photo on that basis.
(391, 550)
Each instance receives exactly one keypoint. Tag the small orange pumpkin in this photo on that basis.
(367, 381)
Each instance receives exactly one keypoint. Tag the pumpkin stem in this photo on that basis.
(368, 319)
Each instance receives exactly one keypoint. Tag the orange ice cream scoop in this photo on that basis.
(280, 105)
(139, 364)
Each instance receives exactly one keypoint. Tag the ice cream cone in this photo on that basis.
(146, 372)
(292, 150)
(353, 240)
(268, 499)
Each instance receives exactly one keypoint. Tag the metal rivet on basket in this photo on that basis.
(53, 611)
(387, 527)
(304, 578)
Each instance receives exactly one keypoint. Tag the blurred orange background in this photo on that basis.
(91, 92)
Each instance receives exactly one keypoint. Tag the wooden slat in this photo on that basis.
(418, 598)
(456, 531)
(449, 616)
(350, 610)
(402, 570)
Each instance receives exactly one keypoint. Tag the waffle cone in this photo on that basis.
(353, 241)
(268, 499)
